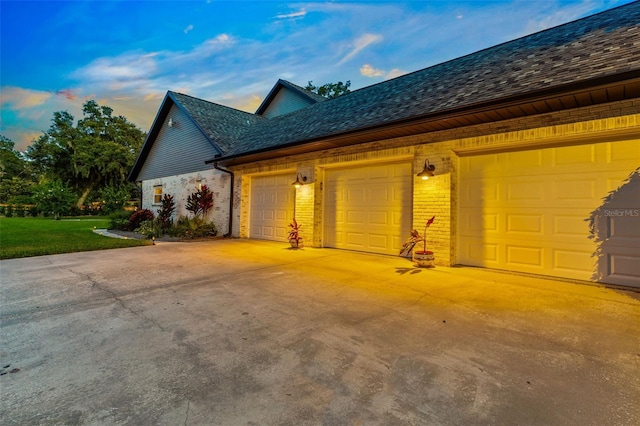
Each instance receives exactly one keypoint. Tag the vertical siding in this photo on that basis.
(177, 150)
(285, 102)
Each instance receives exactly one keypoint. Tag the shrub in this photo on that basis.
(114, 197)
(9, 211)
(119, 220)
(150, 228)
(166, 211)
(200, 202)
(138, 217)
(195, 227)
(54, 198)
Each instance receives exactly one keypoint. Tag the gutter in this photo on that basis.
(215, 166)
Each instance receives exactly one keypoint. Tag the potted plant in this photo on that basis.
(294, 234)
(424, 258)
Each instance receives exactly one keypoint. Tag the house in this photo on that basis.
(525, 140)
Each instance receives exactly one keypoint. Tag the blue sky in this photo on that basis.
(55, 55)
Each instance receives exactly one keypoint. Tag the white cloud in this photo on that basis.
(359, 44)
(20, 99)
(299, 14)
(369, 71)
(395, 73)
(189, 28)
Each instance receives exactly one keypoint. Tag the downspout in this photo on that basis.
(215, 166)
(138, 186)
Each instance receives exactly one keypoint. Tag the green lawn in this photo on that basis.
(25, 237)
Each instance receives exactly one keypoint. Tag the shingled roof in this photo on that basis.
(588, 61)
(587, 50)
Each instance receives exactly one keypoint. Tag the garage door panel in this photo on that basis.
(377, 207)
(522, 160)
(582, 155)
(569, 226)
(538, 219)
(572, 261)
(356, 217)
(524, 223)
(624, 268)
(525, 190)
(378, 241)
(379, 218)
(625, 227)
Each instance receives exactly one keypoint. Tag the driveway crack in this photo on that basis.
(114, 296)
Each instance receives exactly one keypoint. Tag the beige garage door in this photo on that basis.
(368, 208)
(271, 206)
(532, 211)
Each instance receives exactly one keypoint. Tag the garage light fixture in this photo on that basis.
(427, 171)
(171, 123)
(299, 180)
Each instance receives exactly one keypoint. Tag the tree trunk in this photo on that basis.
(84, 196)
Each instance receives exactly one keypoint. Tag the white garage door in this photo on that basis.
(271, 206)
(530, 211)
(368, 208)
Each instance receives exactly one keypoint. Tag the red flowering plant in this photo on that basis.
(294, 233)
(415, 238)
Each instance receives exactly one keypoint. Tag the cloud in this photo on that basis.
(369, 71)
(68, 93)
(293, 15)
(189, 28)
(396, 72)
(359, 44)
(19, 98)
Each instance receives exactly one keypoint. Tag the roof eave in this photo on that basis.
(368, 134)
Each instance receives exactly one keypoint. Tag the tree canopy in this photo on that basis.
(95, 153)
(330, 90)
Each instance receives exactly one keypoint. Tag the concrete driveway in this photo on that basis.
(242, 332)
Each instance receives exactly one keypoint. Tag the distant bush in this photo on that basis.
(138, 217)
(119, 220)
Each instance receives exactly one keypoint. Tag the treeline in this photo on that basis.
(73, 167)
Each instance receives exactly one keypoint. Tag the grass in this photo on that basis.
(26, 237)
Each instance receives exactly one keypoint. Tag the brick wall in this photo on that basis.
(181, 186)
(437, 196)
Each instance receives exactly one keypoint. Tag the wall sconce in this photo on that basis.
(298, 183)
(171, 122)
(427, 171)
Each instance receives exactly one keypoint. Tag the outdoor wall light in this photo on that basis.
(171, 122)
(427, 171)
(299, 180)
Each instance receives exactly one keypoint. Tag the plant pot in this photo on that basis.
(424, 259)
(296, 243)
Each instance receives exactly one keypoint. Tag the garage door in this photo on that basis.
(531, 211)
(368, 208)
(271, 206)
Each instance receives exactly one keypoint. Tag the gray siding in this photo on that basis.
(177, 150)
(285, 102)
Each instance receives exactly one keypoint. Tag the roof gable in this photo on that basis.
(296, 98)
(219, 125)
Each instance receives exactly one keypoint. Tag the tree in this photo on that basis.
(99, 151)
(54, 198)
(330, 90)
(12, 162)
(16, 177)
